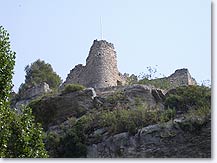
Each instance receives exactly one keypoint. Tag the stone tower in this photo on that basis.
(100, 70)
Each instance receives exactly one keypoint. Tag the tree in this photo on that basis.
(20, 136)
(39, 72)
(7, 62)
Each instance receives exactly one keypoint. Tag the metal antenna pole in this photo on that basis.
(101, 27)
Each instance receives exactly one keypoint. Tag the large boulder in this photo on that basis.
(36, 91)
(53, 110)
(26, 96)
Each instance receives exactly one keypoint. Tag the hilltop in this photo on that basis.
(99, 112)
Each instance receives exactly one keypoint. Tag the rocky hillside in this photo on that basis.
(178, 138)
(127, 121)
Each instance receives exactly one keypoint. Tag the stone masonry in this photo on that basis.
(181, 77)
(100, 70)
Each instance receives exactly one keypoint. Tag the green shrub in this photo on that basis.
(71, 145)
(66, 145)
(123, 120)
(70, 142)
(198, 115)
(186, 97)
(167, 115)
(196, 118)
(116, 97)
(151, 77)
(73, 140)
(158, 83)
(72, 88)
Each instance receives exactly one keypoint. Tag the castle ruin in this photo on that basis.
(181, 77)
(100, 70)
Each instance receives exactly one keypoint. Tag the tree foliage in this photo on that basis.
(20, 136)
(7, 62)
(39, 72)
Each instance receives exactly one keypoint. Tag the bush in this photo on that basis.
(186, 97)
(158, 83)
(71, 145)
(151, 77)
(71, 141)
(196, 119)
(116, 97)
(198, 115)
(72, 88)
(67, 145)
(123, 120)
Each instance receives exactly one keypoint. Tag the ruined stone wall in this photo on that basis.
(100, 70)
(74, 75)
(181, 77)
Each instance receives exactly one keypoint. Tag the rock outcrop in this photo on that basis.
(180, 136)
(25, 97)
(36, 91)
(130, 96)
(174, 139)
(53, 110)
(56, 109)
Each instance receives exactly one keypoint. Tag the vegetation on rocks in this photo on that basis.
(39, 72)
(69, 142)
(188, 97)
(116, 97)
(120, 120)
(161, 83)
(72, 88)
(151, 77)
(75, 135)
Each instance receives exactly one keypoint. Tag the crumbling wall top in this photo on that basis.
(102, 43)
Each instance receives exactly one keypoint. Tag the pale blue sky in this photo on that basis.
(172, 34)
